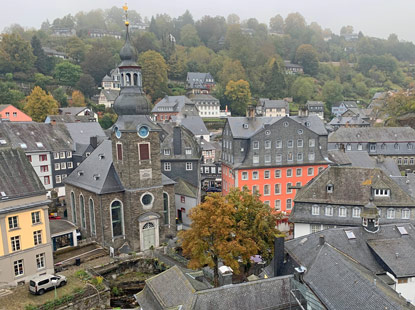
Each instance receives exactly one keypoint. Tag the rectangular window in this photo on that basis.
(311, 156)
(267, 158)
(40, 260)
(244, 175)
(46, 180)
(57, 166)
(290, 143)
(188, 151)
(315, 210)
(37, 237)
(167, 166)
(43, 157)
(13, 222)
(277, 189)
(182, 199)
(119, 151)
(267, 174)
(310, 171)
(58, 179)
(311, 143)
(189, 166)
(69, 165)
(289, 173)
(278, 158)
(299, 172)
(15, 241)
(342, 212)
(69, 154)
(206, 169)
(56, 155)
(255, 189)
(356, 212)
(266, 190)
(62, 154)
(290, 156)
(289, 204)
(277, 204)
(255, 159)
(406, 214)
(144, 150)
(267, 144)
(277, 173)
(18, 267)
(166, 151)
(256, 145)
(300, 143)
(289, 190)
(329, 211)
(63, 165)
(299, 156)
(266, 202)
(315, 228)
(278, 144)
(255, 175)
(29, 158)
(36, 217)
(390, 214)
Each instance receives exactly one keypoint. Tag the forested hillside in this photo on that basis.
(336, 66)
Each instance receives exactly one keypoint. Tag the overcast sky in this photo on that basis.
(376, 18)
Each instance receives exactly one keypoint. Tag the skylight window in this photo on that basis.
(3, 194)
(402, 230)
(23, 145)
(39, 144)
(3, 142)
(350, 234)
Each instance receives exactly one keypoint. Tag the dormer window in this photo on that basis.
(245, 126)
(329, 188)
(96, 177)
(101, 156)
(80, 173)
(382, 192)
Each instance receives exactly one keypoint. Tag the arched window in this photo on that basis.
(117, 219)
(128, 79)
(92, 216)
(166, 208)
(122, 79)
(82, 207)
(135, 79)
(73, 207)
(148, 225)
(390, 214)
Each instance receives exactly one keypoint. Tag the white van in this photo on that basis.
(39, 285)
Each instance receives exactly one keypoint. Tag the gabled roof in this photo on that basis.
(52, 137)
(18, 179)
(352, 186)
(106, 78)
(347, 104)
(203, 97)
(110, 94)
(97, 173)
(185, 188)
(72, 110)
(193, 123)
(171, 104)
(206, 145)
(198, 79)
(3, 106)
(68, 118)
(274, 104)
(373, 134)
(256, 124)
(315, 103)
(82, 132)
(348, 120)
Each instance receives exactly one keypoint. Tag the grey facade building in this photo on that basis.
(348, 121)
(199, 82)
(207, 105)
(394, 142)
(119, 195)
(340, 107)
(337, 197)
(272, 108)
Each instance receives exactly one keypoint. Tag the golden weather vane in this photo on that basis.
(125, 8)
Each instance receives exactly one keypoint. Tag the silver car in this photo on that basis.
(39, 285)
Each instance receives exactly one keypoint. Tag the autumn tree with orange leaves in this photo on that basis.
(222, 230)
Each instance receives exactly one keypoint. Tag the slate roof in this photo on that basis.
(347, 104)
(352, 186)
(58, 227)
(17, 177)
(110, 94)
(407, 183)
(106, 78)
(315, 103)
(172, 289)
(274, 104)
(67, 118)
(206, 145)
(193, 123)
(53, 137)
(364, 160)
(198, 79)
(129, 123)
(71, 110)
(397, 254)
(342, 284)
(185, 188)
(255, 124)
(373, 134)
(165, 180)
(174, 103)
(204, 97)
(98, 166)
(82, 132)
(348, 120)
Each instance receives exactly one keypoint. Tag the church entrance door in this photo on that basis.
(149, 236)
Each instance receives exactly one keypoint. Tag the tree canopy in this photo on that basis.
(40, 104)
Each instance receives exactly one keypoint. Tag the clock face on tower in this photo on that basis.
(143, 131)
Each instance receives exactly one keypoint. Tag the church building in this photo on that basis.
(118, 196)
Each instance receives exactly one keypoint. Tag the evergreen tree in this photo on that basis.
(41, 62)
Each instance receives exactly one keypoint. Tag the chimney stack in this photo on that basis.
(321, 240)
(278, 256)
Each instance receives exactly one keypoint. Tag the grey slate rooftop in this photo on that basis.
(60, 227)
(81, 132)
(348, 120)
(186, 189)
(110, 94)
(193, 123)
(17, 176)
(373, 134)
(171, 104)
(71, 110)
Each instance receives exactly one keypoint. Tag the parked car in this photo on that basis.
(40, 285)
(213, 190)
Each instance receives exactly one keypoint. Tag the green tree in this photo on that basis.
(107, 120)
(146, 41)
(307, 56)
(231, 70)
(40, 104)
(67, 73)
(10, 94)
(239, 96)
(17, 52)
(42, 62)
(42, 80)
(275, 82)
(154, 70)
(76, 49)
(276, 24)
(86, 85)
(216, 236)
(303, 89)
(189, 36)
(60, 96)
(97, 63)
(177, 65)
(332, 92)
